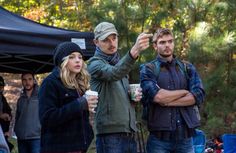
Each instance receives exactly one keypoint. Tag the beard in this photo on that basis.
(29, 88)
(165, 55)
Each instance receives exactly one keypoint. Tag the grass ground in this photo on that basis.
(14, 142)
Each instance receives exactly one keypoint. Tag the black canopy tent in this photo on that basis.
(28, 46)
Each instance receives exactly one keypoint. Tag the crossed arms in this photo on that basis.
(174, 98)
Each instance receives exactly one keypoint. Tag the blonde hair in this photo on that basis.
(80, 82)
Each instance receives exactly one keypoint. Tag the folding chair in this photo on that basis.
(199, 141)
(229, 143)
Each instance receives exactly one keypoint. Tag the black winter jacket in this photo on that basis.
(63, 116)
(5, 109)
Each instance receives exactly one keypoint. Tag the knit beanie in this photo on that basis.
(64, 49)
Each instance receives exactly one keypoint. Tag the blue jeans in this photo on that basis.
(155, 145)
(28, 146)
(112, 143)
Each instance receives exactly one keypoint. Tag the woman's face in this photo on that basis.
(75, 62)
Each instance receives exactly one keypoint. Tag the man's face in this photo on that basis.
(108, 45)
(28, 81)
(165, 46)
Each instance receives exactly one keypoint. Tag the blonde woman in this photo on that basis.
(63, 110)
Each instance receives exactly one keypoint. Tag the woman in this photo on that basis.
(63, 109)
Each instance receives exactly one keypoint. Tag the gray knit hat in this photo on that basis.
(64, 49)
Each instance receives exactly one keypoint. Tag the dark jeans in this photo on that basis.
(28, 146)
(155, 145)
(114, 143)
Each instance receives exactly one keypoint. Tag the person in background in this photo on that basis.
(63, 107)
(172, 97)
(115, 121)
(27, 126)
(3, 144)
(5, 114)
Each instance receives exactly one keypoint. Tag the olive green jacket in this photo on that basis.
(115, 112)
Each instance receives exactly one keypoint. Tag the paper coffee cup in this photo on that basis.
(133, 88)
(91, 93)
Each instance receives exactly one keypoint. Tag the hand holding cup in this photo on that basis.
(92, 99)
(135, 92)
(138, 94)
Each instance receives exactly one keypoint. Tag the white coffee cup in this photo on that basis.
(133, 89)
(91, 93)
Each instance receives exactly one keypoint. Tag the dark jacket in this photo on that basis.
(5, 109)
(27, 125)
(64, 117)
(115, 112)
(164, 118)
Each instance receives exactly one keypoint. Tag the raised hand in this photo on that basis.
(142, 43)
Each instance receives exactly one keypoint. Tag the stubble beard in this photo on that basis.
(165, 55)
(29, 88)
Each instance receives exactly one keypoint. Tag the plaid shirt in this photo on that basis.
(151, 84)
(195, 84)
